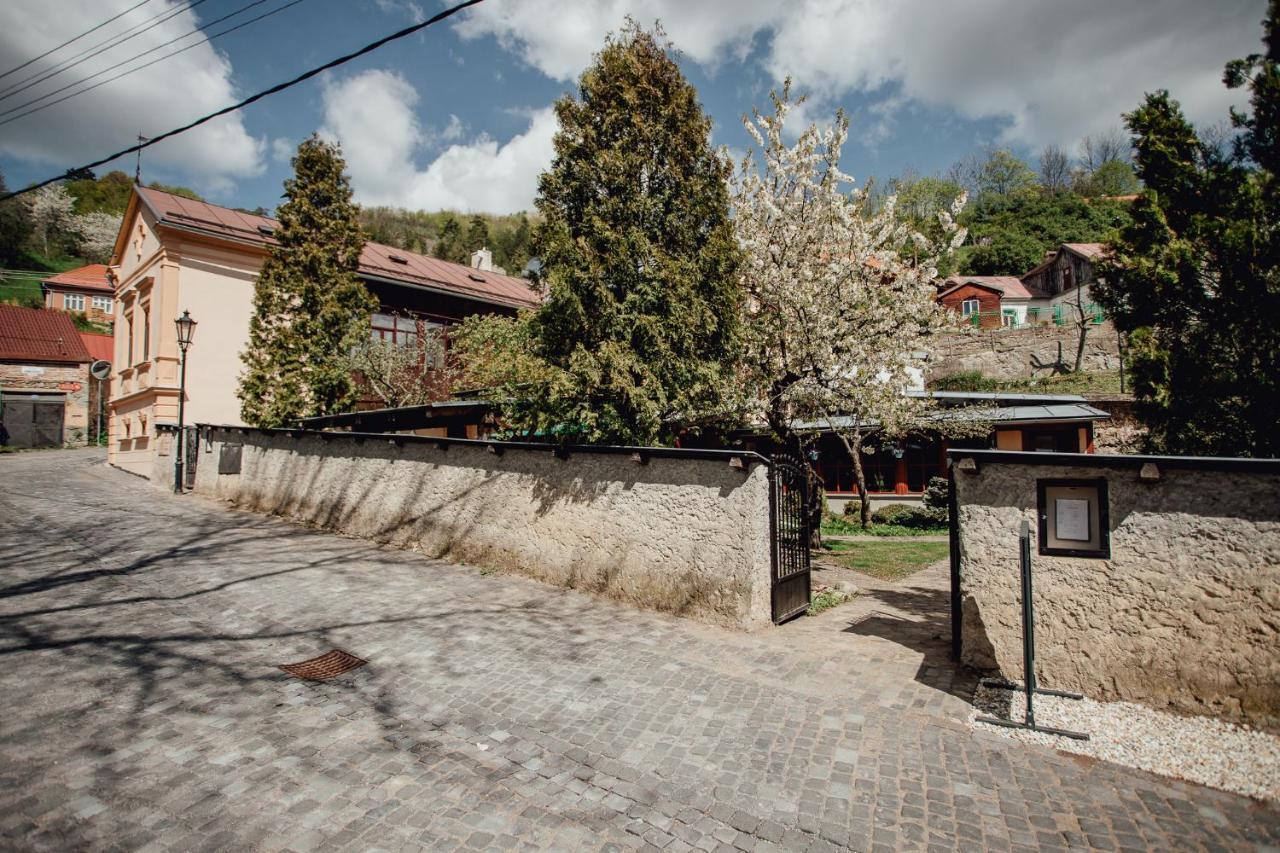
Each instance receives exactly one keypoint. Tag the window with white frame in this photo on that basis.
(1009, 317)
(968, 307)
(73, 301)
(102, 303)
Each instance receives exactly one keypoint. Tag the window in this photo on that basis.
(102, 303)
(1008, 317)
(73, 301)
(146, 332)
(128, 353)
(969, 307)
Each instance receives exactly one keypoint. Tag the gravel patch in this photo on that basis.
(1203, 750)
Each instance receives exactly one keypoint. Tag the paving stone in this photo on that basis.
(143, 708)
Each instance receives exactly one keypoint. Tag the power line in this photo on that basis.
(70, 40)
(279, 87)
(68, 64)
(205, 40)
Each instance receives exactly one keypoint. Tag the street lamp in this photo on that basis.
(186, 328)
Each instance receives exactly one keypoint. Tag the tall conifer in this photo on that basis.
(309, 307)
(638, 254)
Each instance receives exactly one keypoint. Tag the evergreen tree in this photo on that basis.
(638, 326)
(309, 308)
(477, 237)
(449, 243)
(15, 228)
(1195, 280)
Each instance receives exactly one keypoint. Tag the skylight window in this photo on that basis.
(475, 276)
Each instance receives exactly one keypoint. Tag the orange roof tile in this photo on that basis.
(99, 346)
(37, 334)
(91, 277)
(376, 260)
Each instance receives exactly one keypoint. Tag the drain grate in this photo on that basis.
(325, 666)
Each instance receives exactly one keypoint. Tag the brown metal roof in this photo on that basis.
(91, 277)
(376, 260)
(1006, 285)
(37, 334)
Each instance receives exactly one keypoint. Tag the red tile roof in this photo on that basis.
(376, 260)
(1007, 285)
(99, 346)
(91, 277)
(36, 334)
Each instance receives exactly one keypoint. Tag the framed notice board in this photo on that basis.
(1073, 518)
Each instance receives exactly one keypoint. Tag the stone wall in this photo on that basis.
(1024, 353)
(683, 533)
(1185, 613)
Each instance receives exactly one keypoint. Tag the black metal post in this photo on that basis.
(953, 537)
(182, 395)
(1029, 653)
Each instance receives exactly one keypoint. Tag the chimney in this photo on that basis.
(482, 259)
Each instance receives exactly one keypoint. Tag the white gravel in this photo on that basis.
(1209, 752)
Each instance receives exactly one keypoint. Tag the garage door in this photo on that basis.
(34, 421)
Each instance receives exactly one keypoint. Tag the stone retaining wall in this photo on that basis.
(684, 534)
(1036, 351)
(1184, 614)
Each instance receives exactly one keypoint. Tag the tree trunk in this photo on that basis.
(1083, 326)
(853, 446)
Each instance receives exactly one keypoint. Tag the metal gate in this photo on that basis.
(33, 421)
(789, 505)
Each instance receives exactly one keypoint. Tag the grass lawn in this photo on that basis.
(889, 560)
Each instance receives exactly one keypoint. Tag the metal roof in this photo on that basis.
(377, 261)
(1045, 413)
(996, 396)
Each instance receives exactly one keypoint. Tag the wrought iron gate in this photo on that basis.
(789, 505)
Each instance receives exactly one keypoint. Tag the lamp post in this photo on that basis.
(186, 328)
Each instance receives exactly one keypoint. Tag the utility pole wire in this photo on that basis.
(90, 52)
(127, 72)
(279, 87)
(70, 40)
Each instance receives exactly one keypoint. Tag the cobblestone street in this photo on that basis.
(142, 707)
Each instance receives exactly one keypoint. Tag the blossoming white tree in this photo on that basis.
(840, 294)
(95, 234)
(51, 215)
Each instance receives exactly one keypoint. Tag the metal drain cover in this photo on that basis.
(324, 667)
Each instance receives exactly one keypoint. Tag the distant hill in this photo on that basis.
(453, 236)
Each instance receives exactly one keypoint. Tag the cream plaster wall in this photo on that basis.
(216, 286)
(1185, 613)
(684, 535)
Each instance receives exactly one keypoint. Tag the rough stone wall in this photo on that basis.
(1122, 432)
(1023, 353)
(1185, 614)
(69, 379)
(684, 535)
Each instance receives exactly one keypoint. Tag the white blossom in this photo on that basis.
(840, 294)
(50, 208)
(95, 235)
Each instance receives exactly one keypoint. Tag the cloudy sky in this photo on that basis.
(459, 116)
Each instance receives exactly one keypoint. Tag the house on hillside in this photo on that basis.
(44, 378)
(991, 300)
(174, 254)
(1051, 292)
(84, 290)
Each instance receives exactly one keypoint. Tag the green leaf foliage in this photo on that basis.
(15, 228)
(1009, 234)
(309, 307)
(440, 235)
(110, 193)
(1195, 279)
(638, 253)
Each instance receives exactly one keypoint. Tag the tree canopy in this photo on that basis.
(1195, 279)
(309, 308)
(639, 257)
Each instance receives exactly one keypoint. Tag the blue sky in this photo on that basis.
(458, 116)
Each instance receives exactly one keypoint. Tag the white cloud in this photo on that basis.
(151, 101)
(1052, 71)
(282, 149)
(372, 115)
